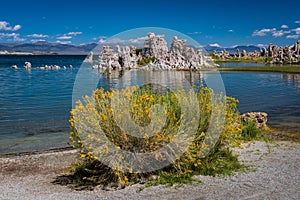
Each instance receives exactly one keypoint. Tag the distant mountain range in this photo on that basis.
(84, 49)
(231, 50)
(46, 47)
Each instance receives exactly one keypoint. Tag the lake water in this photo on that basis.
(35, 105)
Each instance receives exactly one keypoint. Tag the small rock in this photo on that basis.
(260, 118)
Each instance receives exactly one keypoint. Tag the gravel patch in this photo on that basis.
(275, 175)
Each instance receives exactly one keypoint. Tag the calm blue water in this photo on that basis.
(35, 105)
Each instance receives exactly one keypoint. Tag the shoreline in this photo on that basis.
(34, 152)
(274, 134)
(38, 163)
(275, 166)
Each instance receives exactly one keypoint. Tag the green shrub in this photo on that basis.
(213, 55)
(97, 112)
(250, 130)
(139, 51)
(145, 61)
(268, 59)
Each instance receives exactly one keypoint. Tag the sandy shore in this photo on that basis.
(276, 176)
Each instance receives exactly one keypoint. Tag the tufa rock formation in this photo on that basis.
(154, 55)
(288, 54)
(27, 65)
(276, 54)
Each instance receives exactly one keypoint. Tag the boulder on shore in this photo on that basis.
(260, 118)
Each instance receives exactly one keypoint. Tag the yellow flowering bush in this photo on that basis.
(97, 113)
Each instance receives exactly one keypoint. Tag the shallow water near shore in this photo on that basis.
(35, 105)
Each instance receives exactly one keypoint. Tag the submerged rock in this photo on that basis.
(14, 67)
(27, 65)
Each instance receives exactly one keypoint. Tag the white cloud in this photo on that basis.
(261, 45)
(230, 31)
(162, 35)
(263, 32)
(139, 39)
(68, 36)
(63, 42)
(17, 27)
(6, 26)
(12, 36)
(115, 41)
(297, 22)
(297, 30)
(64, 37)
(35, 35)
(273, 31)
(37, 40)
(284, 26)
(74, 33)
(99, 37)
(214, 45)
(194, 33)
(17, 39)
(102, 40)
(292, 36)
(278, 33)
(136, 41)
(9, 34)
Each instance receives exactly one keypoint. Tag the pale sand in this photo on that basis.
(277, 176)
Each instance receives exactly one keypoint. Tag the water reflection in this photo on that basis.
(194, 78)
(291, 79)
(120, 79)
(136, 77)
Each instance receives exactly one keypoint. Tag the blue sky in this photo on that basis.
(226, 23)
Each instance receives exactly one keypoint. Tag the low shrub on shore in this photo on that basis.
(146, 61)
(250, 130)
(97, 115)
(284, 68)
(245, 59)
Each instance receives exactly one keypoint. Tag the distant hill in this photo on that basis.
(48, 47)
(231, 50)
